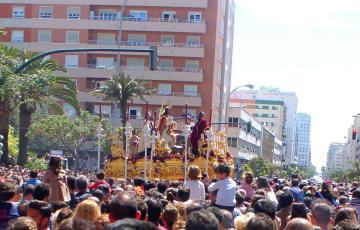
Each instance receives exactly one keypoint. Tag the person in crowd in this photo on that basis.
(61, 215)
(131, 224)
(346, 225)
(197, 189)
(170, 216)
(100, 180)
(299, 224)
(162, 187)
(123, 206)
(298, 210)
(241, 222)
(40, 212)
(154, 212)
(76, 224)
(87, 210)
(261, 221)
(202, 220)
(22, 223)
(8, 210)
(81, 185)
(297, 193)
(263, 184)
(284, 208)
(346, 214)
(321, 215)
(326, 193)
(247, 185)
(355, 200)
(227, 221)
(28, 193)
(240, 208)
(33, 180)
(267, 207)
(354, 186)
(183, 195)
(55, 177)
(226, 188)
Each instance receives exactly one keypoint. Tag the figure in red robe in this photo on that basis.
(198, 130)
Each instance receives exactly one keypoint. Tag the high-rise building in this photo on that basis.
(335, 157)
(290, 109)
(194, 40)
(303, 144)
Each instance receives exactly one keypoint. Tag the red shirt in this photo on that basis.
(97, 184)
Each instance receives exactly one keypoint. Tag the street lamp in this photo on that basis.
(249, 86)
(99, 134)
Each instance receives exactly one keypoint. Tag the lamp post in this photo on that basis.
(186, 132)
(99, 134)
(128, 132)
(250, 86)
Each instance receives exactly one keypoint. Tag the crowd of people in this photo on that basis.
(58, 200)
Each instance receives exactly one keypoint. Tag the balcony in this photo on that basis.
(106, 23)
(171, 50)
(173, 98)
(143, 73)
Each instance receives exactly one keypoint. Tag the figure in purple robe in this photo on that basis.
(198, 130)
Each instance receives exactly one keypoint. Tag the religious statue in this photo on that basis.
(166, 128)
(134, 143)
(198, 130)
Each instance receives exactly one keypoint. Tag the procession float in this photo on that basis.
(165, 151)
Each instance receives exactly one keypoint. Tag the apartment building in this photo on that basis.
(194, 40)
(303, 144)
(335, 157)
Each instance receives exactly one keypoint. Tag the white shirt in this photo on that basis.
(226, 192)
(197, 189)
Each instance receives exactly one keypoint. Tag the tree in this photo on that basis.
(41, 87)
(69, 134)
(121, 89)
(258, 166)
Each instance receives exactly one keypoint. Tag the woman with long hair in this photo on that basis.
(55, 177)
(263, 184)
(346, 214)
(197, 189)
(87, 210)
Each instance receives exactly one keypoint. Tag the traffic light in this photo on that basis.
(248, 127)
(1, 144)
(354, 133)
(153, 58)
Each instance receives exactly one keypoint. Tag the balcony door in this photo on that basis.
(104, 63)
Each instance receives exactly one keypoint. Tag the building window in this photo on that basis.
(193, 41)
(18, 12)
(167, 40)
(105, 39)
(44, 36)
(107, 14)
(69, 110)
(138, 15)
(46, 11)
(135, 63)
(232, 142)
(104, 63)
(105, 110)
(168, 15)
(194, 16)
(71, 61)
(164, 89)
(274, 108)
(72, 37)
(165, 65)
(233, 122)
(136, 40)
(73, 12)
(265, 107)
(17, 36)
(192, 66)
(190, 90)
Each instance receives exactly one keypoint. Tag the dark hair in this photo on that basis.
(260, 221)
(183, 194)
(262, 183)
(356, 193)
(194, 206)
(343, 200)
(295, 182)
(41, 191)
(100, 175)
(298, 210)
(98, 194)
(81, 183)
(285, 200)
(22, 223)
(346, 225)
(23, 207)
(64, 214)
(70, 181)
(265, 206)
(240, 198)
(255, 198)
(227, 221)
(138, 182)
(7, 191)
(123, 206)
(132, 224)
(55, 165)
(202, 220)
(142, 208)
(248, 177)
(58, 205)
(33, 174)
(322, 213)
(154, 210)
(217, 212)
(29, 190)
(162, 186)
(76, 224)
(223, 169)
(149, 185)
(345, 214)
(43, 207)
(170, 215)
(111, 181)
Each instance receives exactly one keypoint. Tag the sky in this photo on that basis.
(311, 47)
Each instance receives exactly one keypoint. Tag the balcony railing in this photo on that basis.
(145, 68)
(145, 19)
(138, 43)
(178, 94)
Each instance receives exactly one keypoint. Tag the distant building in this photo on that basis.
(290, 109)
(303, 145)
(278, 157)
(267, 145)
(335, 157)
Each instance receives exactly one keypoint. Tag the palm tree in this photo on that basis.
(122, 89)
(41, 87)
(9, 93)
